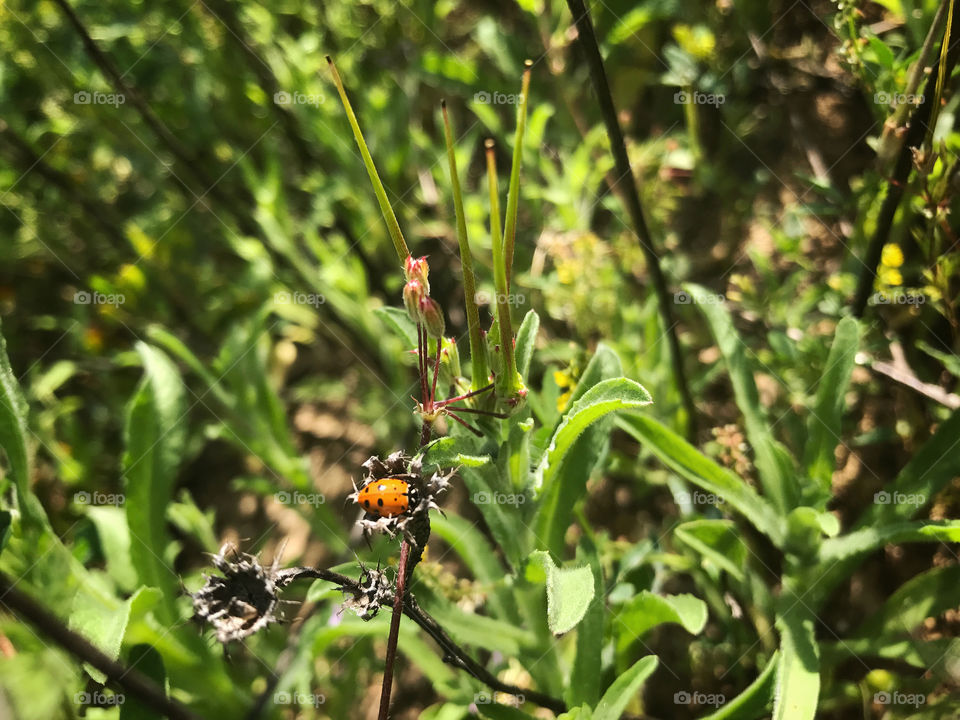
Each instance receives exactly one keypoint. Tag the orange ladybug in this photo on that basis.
(388, 497)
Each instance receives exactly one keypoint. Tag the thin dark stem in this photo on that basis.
(118, 675)
(485, 388)
(588, 43)
(464, 423)
(394, 631)
(916, 131)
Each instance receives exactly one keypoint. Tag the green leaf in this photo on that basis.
(526, 342)
(861, 542)
(570, 477)
(623, 689)
(470, 544)
(584, 684)
(149, 662)
(823, 425)
(13, 438)
(114, 534)
(682, 457)
(718, 541)
(798, 673)
(753, 702)
(446, 452)
(773, 463)
(929, 470)
(925, 595)
(498, 711)
(646, 610)
(569, 592)
(600, 400)
(398, 320)
(155, 435)
(4, 528)
(102, 622)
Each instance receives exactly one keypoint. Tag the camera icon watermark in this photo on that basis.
(497, 498)
(83, 97)
(282, 97)
(898, 498)
(98, 698)
(299, 698)
(699, 498)
(899, 698)
(497, 98)
(298, 498)
(698, 698)
(684, 298)
(299, 298)
(489, 698)
(899, 297)
(694, 97)
(84, 297)
(894, 99)
(97, 498)
(481, 297)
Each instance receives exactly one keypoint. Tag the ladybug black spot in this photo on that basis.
(366, 503)
(380, 502)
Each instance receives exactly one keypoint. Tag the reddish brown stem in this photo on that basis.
(394, 631)
(436, 374)
(485, 388)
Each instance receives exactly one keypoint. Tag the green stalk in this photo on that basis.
(388, 215)
(508, 384)
(513, 194)
(941, 77)
(478, 355)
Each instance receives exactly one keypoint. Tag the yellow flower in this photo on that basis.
(892, 256)
(890, 276)
(564, 400)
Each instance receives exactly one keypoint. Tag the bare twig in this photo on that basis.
(118, 675)
(588, 42)
(394, 630)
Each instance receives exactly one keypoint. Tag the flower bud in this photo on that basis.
(413, 295)
(417, 269)
(432, 317)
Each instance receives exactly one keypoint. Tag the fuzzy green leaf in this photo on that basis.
(569, 593)
(623, 689)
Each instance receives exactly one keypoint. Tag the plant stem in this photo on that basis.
(478, 355)
(385, 208)
(916, 132)
(118, 675)
(513, 193)
(394, 630)
(588, 42)
(506, 381)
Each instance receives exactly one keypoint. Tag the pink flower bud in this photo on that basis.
(432, 317)
(418, 269)
(413, 295)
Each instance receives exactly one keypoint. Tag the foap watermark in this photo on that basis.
(897, 297)
(898, 498)
(498, 498)
(497, 98)
(83, 297)
(99, 498)
(698, 698)
(899, 698)
(84, 97)
(488, 698)
(299, 298)
(282, 97)
(694, 97)
(485, 298)
(699, 498)
(883, 98)
(98, 698)
(299, 498)
(299, 698)
(684, 298)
